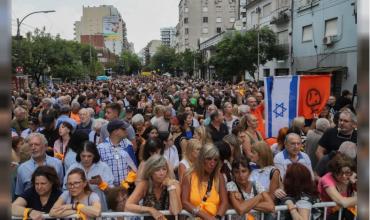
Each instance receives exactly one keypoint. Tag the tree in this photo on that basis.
(130, 62)
(164, 59)
(42, 54)
(185, 61)
(238, 52)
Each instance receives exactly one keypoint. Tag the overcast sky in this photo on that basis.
(143, 18)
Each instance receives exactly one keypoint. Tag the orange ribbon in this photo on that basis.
(59, 155)
(25, 213)
(131, 177)
(81, 214)
(103, 186)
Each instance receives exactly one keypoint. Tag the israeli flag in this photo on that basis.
(281, 102)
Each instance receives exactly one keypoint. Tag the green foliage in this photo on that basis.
(238, 52)
(42, 54)
(164, 60)
(130, 62)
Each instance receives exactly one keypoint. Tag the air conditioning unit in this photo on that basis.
(329, 40)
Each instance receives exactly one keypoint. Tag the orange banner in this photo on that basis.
(314, 91)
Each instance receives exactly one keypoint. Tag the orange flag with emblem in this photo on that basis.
(314, 91)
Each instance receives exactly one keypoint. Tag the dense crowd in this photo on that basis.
(144, 144)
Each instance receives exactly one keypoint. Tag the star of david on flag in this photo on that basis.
(287, 97)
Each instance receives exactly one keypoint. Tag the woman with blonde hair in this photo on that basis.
(202, 135)
(158, 190)
(266, 174)
(190, 156)
(204, 191)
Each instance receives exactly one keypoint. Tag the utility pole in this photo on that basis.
(258, 12)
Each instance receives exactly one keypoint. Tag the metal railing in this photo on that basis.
(228, 215)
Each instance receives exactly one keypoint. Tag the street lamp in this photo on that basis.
(20, 22)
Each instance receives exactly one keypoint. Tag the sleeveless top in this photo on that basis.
(163, 203)
(259, 138)
(196, 196)
(263, 176)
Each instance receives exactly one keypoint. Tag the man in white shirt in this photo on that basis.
(292, 154)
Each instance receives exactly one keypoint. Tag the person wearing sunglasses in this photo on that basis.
(204, 191)
(78, 199)
(339, 185)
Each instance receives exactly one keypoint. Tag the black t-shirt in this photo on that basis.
(218, 135)
(331, 139)
(33, 199)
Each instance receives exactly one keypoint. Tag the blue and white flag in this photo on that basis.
(281, 102)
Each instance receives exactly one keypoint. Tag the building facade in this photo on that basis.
(325, 40)
(202, 19)
(168, 36)
(275, 14)
(150, 50)
(102, 21)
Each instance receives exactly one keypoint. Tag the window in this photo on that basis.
(244, 14)
(232, 20)
(331, 28)
(205, 19)
(186, 30)
(205, 30)
(266, 72)
(205, 9)
(283, 37)
(218, 20)
(186, 9)
(307, 33)
(266, 11)
(218, 30)
(186, 20)
(254, 18)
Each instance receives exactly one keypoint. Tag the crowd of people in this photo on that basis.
(146, 144)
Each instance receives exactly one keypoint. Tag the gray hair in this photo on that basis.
(351, 114)
(47, 101)
(98, 123)
(322, 124)
(291, 135)
(44, 141)
(349, 149)
(244, 109)
(75, 105)
(91, 111)
(138, 118)
(19, 110)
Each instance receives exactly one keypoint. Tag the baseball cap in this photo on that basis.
(115, 124)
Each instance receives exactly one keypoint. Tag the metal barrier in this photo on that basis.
(228, 215)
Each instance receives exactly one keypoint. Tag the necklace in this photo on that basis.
(344, 137)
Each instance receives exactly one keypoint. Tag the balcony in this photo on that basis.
(282, 18)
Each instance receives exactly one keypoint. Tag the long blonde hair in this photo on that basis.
(207, 151)
(191, 145)
(154, 163)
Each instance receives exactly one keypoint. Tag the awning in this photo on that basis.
(324, 70)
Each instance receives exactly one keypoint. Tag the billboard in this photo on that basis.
(111, 27)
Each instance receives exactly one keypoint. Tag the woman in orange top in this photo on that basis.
(204, 192)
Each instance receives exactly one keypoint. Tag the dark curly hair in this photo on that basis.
(49, 173)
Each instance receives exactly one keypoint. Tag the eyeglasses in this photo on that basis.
(347, 173)
(73, 185)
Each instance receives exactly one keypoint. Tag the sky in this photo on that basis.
(143, 18)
